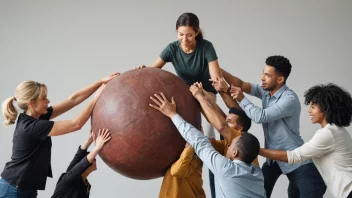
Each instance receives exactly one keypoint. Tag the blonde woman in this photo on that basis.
(30, 165)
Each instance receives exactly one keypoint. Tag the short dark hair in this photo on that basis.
(281, 64)
(248, 147)
(334, 102)
(190, 19)
(243, 119)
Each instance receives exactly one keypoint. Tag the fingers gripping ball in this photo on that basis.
(144, 143)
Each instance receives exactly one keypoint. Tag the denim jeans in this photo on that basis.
(211, 178)
(212, 184)
(305, 181)
(10, 191)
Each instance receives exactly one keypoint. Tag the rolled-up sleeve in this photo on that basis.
(286, 106)
(321, 143)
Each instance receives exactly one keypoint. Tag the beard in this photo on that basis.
(270, 87)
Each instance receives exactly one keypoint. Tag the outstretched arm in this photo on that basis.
(42, 128)
(214, 117)
(224, 90)
(79, 96)
(81, 153)
(67, 126)
(233, 80)
(274, 154)
(79, 168)
(205, 151)
(288, 105)
(214, 69)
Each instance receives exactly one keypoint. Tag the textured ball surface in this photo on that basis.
(144, 143)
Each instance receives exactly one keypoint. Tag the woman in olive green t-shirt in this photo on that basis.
(193, 57)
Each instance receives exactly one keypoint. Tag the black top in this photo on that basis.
(71, 184)
(31, 153)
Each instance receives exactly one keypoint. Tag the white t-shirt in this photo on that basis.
(331, 151)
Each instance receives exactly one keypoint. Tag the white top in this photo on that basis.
(331, 151)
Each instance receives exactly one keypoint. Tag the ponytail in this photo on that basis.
(9, 111)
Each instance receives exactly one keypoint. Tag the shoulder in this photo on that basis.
(173, 45)
(171, 48)
(290, 94)
(205, 43)
(328, 129)
(324, 135)
(24, 121)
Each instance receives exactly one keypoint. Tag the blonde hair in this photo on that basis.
(25, 92)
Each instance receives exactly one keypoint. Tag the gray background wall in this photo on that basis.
(69, 44)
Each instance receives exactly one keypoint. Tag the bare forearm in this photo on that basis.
(274, 154)
(233, 80)
(91, 156)
(214, 117)
(82, 94)
(210, 97)
(83, 117)
(229, 102)
(86, 145)
(215, 71)
(158, 63)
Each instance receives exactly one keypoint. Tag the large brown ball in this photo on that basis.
(144, 142)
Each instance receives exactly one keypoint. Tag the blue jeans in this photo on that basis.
(212, 184)
(10, 191)
(305, 181)
(211, 178)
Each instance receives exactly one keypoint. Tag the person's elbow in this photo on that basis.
(76, 124)
(177, 173)
(260, 118)
(222, 127)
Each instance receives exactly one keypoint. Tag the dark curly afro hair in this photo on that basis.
(281, 64)
(334, 102)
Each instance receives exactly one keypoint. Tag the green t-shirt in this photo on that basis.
(192, 67)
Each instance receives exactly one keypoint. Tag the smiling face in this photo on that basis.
(40, 105)
(187, 36)
(315, 114)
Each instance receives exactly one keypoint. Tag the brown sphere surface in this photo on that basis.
(144, 142)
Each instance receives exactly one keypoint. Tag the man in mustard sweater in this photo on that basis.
(184, 178)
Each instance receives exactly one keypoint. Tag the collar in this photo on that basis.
(278, 92)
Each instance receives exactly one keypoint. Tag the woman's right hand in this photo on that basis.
(139, 67)
(109, 77)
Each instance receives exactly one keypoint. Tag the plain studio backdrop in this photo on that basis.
(70, 44)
